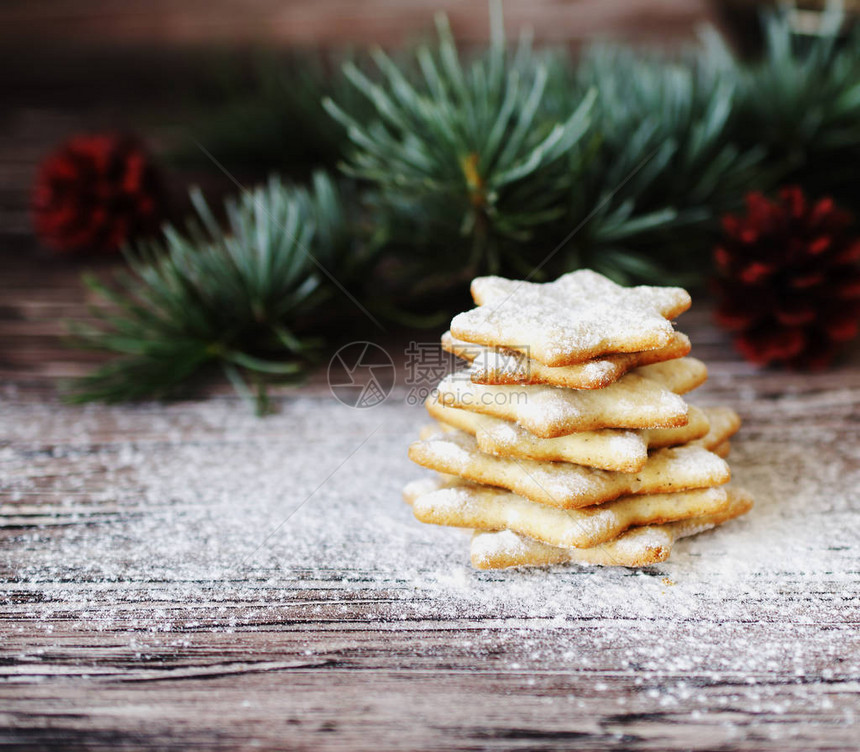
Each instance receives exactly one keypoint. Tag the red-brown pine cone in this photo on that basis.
(95, 193)
(789, 280)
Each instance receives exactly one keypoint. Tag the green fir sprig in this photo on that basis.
(511, 161)
(463, 160)
(242, 301)
(800, 103)
(663, 168)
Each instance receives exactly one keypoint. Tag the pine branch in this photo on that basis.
(801, 103)
(486, 163)
(664, 166)
(496, 160)
(464, 154)
(241, 300)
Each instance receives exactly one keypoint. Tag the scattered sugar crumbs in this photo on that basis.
(214, 520)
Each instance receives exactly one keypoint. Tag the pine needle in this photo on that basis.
(241, 299)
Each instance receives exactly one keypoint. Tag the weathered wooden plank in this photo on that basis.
(188, 576)
(109, 24)
(431, 692)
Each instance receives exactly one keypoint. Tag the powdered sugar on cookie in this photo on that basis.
(486, 508)
(579, 316)
(499, 365)
(566, 485)
(645, 398)
(637, 547)
(567, 439)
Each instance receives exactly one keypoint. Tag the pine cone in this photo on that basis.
(789, 284)
(95, 193)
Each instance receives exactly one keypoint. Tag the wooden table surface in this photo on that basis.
(187, 576)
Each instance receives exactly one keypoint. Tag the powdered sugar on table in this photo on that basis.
(162, 527)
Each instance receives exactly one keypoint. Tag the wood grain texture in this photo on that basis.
(185, 576)
(188, 577)
(116, 23)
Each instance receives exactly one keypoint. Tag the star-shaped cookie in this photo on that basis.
(644, 398)
(638, 547)
(624, 451)
(564, 484)
(499, 365)
(579, 316)
(481, 507)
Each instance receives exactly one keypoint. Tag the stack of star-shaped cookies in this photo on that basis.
(566, 438)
